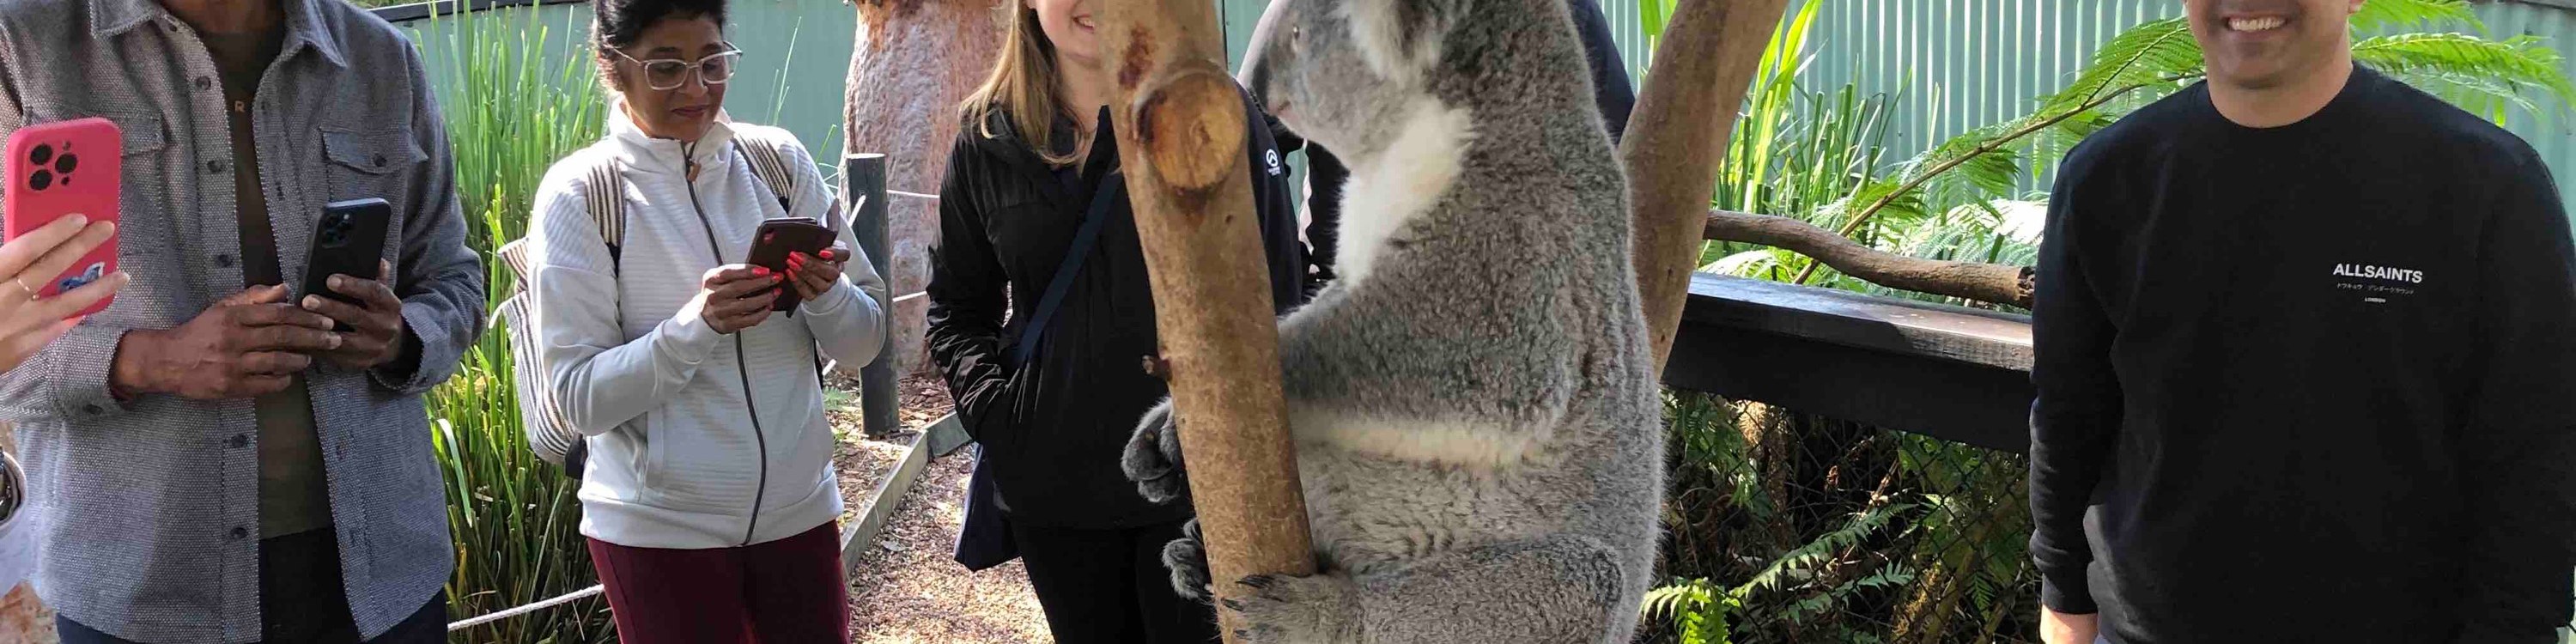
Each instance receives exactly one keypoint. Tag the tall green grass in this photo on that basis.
(510, 115)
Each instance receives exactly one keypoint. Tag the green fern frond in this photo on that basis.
(2521, 62)
(1805, 559)
(2148, 54)
(2415, 14)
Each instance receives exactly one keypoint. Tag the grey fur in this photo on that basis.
(1502, 320)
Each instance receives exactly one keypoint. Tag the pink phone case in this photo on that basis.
(56, 169)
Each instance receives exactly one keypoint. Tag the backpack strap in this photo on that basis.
(771, 164)
(607, 202)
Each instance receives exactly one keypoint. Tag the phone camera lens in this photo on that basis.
(41, 154)
(40, 180)
(67, 163)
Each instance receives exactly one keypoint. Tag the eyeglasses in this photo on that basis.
(669, 73)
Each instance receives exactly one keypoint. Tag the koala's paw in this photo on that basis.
(1188, 563)
(1276, 609)
(1153, 457)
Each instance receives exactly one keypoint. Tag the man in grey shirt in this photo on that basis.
(210, 460)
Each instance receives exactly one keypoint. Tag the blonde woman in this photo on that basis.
(1052, 395)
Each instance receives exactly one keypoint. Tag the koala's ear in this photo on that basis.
(1400, 38)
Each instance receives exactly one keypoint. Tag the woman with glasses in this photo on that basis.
(708, 497)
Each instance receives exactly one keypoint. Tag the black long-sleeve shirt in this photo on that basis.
(1052, 430)
(2316, 382)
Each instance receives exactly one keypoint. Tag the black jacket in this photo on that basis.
(1053, 430)
(1611, 92)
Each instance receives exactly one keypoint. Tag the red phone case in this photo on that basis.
(56, 169)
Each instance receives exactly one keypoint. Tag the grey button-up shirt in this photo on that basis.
(148, 508)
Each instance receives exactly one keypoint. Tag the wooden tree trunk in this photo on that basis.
(1675, 135)
(1180, 122)
(914, 62)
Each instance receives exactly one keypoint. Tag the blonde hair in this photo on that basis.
(1022, 87)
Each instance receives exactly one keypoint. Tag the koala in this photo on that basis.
(1478, 425)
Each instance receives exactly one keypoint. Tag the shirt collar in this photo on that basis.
(644, 152)
(303, 23)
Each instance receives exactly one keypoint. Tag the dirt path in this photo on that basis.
(907, 588)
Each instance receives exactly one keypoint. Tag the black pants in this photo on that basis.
(1110, 587)
(301, 600)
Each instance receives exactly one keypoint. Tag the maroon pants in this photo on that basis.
(780, 592)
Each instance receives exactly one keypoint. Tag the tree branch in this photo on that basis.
(1976, 281)
(1685, 107)
(1180, 122)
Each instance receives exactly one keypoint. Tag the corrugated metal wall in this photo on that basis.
(1959, 64)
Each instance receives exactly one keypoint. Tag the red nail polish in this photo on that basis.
(760, 270)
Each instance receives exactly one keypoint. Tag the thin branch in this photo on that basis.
(1971, 280)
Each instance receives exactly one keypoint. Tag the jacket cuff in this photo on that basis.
(832, 301)
(76, 373)
(2063, 589)
(687, 337)
(404, 374)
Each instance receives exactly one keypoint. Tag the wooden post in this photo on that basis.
(1688, 105)
(863, 188)
(1180, 122)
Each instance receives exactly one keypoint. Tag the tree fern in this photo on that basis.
(2376, 15)
(1697, 609)
(2471, 71)
(1803, 561)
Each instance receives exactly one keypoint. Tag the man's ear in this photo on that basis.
(1399, 38)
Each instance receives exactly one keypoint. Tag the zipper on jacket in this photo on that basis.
(741, 364)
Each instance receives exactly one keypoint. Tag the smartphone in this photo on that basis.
(62, 168)
(348, 240)
(778, 237)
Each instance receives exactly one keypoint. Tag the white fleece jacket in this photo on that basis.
(676, 458)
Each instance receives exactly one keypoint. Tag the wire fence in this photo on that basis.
(1830, 531)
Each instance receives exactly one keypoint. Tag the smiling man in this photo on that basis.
(2305, 361)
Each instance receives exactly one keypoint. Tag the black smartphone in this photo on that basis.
(778, 237)
(349, 240)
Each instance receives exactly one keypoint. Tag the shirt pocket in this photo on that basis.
(366, 163)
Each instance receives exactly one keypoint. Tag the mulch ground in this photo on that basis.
(907, 588)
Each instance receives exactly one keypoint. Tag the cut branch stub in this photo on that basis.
(1191, 122)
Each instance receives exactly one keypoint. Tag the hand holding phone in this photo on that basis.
(28, 323)
(347, 279)
(799, 249)
(58, 170)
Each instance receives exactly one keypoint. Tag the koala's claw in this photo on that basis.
(1153, 456)
(1283, 609)
(1188, 563)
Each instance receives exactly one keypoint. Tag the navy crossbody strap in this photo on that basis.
(1111, 190)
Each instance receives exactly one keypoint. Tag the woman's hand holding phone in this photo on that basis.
(736, 297)
(813, 275)
(29, 322)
